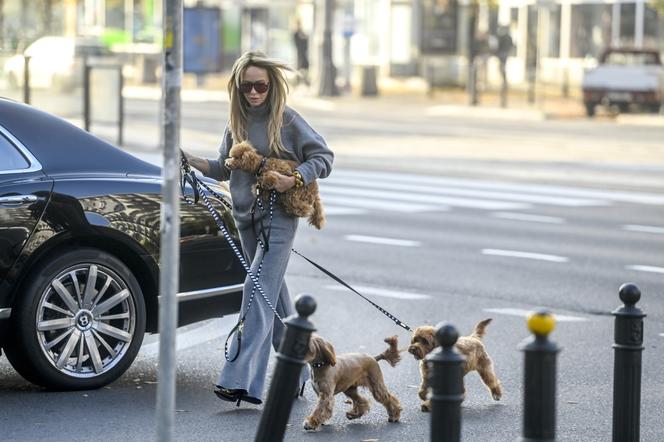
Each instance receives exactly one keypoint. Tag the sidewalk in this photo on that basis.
(412, 94)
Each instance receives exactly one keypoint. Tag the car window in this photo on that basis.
(10, 157)
(631, 58)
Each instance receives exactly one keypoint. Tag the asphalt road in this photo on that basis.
(460, 251)
(435, 217)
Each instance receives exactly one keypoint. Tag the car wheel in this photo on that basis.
(79, 323)
(590, 109)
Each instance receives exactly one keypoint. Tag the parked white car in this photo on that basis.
(624, 77)
(55, 62)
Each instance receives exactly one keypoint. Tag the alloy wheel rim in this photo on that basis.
(86, 319)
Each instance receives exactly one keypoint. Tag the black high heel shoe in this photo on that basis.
(235, 395)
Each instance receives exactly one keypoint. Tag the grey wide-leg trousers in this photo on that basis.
(262, 329)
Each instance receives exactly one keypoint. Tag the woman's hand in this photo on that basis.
(197, 162)
(284, 182)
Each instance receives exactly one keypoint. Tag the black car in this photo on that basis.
(79, 253)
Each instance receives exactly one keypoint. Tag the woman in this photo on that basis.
(258, 113)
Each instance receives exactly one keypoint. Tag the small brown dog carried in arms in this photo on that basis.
(333, 374)
(471, 347)
(301, 201)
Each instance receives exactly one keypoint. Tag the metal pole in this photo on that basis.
(290, 360)
(170, 219)
(539, 392)
(446, 381)
(120, 107)
(328, 86)
(628, 347)
(86, 94)
(26, 79)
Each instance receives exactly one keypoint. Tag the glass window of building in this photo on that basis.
(591, 28)
(627, 22)
(553, 47)
(650, 28)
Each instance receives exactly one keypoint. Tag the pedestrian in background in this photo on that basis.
(503, 51)
(258, 113)
(301, 41)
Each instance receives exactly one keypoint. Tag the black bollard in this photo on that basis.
(628, 347)
(539, 392)
(446, 382)
(285, 380)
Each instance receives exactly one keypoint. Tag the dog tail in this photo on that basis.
(317, 217)
(391, 355)
(480, 328)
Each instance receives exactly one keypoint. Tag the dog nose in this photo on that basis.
(412, 349)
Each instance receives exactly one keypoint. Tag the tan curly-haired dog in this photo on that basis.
(424, 341)
(334, 374)
(298, 201)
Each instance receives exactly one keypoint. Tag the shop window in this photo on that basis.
(553, 49)
(115, 14)
(650, 28)
(591, 27)
(627, 20)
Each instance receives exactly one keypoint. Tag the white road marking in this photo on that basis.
(525, 313)
(386, 241)
(212, 330)
(650, 269)
(428, 189)
(526, 255)
(380, 292)
(420, 198)
(662, 335)
(370, 203)
(646, 229)
(337, 210)
(632, 197)
(529, 217)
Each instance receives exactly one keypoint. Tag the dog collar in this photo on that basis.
(317, 364)
(261, 166)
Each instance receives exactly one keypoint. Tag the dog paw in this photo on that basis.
(425, 407)
(496, 396)
(393, 419)
(351, 416)
(230, 163)
(309, 426)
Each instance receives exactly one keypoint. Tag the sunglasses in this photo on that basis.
(260, 86)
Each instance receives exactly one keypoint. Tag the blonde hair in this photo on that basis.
(276, 99)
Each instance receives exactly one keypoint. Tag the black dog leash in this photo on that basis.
(186, 167)
(189, 177)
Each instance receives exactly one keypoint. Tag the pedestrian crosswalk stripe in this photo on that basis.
(625, 196)
(372, 203)
(525, 255)
(339, 210)
(374, 291)
(424, 190)
(645, 229)
(528, 217)
(386, 241)
(525, 313)
(641, 268)
(416, 197)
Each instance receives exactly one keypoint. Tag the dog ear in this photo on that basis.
(431, 338)
(328, 354)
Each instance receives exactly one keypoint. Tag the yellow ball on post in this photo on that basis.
(541, 323)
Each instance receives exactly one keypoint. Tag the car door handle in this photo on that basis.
(17, 200)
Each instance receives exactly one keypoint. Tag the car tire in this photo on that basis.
(68, 338)
(590, 109)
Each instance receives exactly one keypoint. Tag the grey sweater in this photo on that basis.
(302, 143)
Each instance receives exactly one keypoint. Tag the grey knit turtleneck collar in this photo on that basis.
(259, 111)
